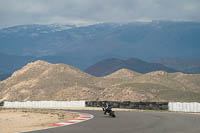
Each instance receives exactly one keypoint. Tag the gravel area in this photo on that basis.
(20, 120)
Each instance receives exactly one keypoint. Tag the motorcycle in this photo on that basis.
(110, 112)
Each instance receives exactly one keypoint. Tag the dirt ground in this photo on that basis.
(20, 120)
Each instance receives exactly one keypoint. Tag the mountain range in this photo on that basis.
(109, 66)
(12, 63)
(40, 81)
(160, 45)
(85, 46)
(181, 64)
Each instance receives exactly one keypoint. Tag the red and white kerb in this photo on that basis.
(83, 117)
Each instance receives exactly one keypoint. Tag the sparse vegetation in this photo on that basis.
(44, 81)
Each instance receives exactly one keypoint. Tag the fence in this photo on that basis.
(45, 104)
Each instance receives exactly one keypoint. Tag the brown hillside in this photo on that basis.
(157, 86)
(123, 74)
(44, 81)
(118, 77)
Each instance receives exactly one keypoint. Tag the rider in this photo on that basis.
(107, 108)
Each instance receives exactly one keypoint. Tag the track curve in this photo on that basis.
(133, 122)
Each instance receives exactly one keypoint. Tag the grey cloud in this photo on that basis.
(13, 12)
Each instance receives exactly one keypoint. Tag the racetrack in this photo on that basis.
(133, 122)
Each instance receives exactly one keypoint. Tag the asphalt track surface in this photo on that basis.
(133, 122)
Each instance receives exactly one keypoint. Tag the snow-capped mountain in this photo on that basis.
(31, 28)
(83, 46)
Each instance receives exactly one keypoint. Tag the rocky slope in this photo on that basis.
(44, 81)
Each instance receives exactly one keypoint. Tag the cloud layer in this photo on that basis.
(15, 12)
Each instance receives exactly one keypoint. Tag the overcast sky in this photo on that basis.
(18, 12)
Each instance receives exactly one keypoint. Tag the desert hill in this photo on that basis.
(123, 74)
(45, 81)
(118, 77)
(157, 86)
(153, 86)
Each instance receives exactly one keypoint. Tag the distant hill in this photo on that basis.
(154, 86)
(109, 66)
(11, 63)
(118, 77)
(45, 81)
(185, 65)
(122, 74)
(84, 46)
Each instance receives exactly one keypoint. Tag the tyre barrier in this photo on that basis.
(170, 106)
(130, 105)
(1, 103)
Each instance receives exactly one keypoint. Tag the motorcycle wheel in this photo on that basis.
(112, 114)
